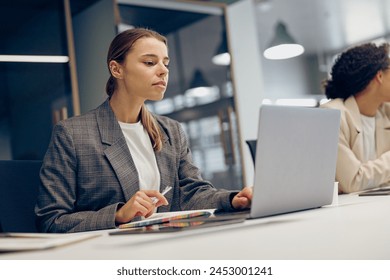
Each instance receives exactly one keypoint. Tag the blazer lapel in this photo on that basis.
(353, 108)
(116, 150)
(164, 163)
(356, 136)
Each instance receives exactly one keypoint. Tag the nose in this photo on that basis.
(163, 70)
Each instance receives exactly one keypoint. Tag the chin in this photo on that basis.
(157, 97)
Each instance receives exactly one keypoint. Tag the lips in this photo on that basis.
(160, 83)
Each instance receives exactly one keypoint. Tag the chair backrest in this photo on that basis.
(19, 181)
(252, 148)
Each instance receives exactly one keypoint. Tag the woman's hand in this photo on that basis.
(140, 204)
(243, 199)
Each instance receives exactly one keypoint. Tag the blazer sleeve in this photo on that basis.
(57, 199)
(196, 193)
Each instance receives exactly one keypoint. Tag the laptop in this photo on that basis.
(296, 156)
(295, 160)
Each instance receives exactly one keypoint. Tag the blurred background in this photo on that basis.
(215, 98)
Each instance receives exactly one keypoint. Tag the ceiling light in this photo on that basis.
(283, 46)
(222, 59)
(264, 5)
(222, 55)
(198, 80)
(35, 58)
(199, 87)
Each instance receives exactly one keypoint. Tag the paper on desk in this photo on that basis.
(383, 190)
(164, 217)
(11, 242)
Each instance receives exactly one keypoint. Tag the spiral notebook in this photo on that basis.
(165, 217)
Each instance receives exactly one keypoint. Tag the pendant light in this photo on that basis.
(222, 55)
(283, 46)
(199, 87)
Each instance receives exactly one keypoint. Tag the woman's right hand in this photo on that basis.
(140, 204)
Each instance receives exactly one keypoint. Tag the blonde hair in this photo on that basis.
(152, 127)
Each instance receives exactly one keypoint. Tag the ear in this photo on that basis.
(115, 69)
(379, 76)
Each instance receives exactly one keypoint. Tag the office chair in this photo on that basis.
(18, 193)
(252, 148)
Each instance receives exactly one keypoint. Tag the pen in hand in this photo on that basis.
(164, 192)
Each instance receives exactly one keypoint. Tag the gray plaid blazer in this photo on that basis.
(88, 171)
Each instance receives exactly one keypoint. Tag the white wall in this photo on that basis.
(246, 74)
(285, 78)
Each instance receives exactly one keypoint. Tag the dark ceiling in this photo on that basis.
(15, 13)
(162, 20)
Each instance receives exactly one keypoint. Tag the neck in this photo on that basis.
(125, 110)
(368, 103)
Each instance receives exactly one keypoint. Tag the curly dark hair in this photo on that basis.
(355, 68)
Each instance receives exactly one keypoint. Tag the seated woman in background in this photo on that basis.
(105, 167)
(360, 88)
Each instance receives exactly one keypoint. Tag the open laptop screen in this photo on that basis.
(296, 156)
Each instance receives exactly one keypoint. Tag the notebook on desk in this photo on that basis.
(296, 157)
(177, 221)
(16, 241)
(166, 217)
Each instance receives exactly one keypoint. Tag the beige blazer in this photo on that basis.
(352, 173)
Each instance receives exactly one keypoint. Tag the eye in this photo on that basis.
(149, 63)
(166, 66)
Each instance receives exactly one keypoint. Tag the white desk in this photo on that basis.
(358, 228)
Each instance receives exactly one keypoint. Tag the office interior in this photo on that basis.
(34, 96)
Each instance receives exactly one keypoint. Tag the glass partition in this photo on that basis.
(34, 95)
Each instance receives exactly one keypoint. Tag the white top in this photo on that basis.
(369, 146)
(142, 152)
(368, 126)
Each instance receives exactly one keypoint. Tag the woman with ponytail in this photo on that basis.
(107, 167)
(359, 87)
